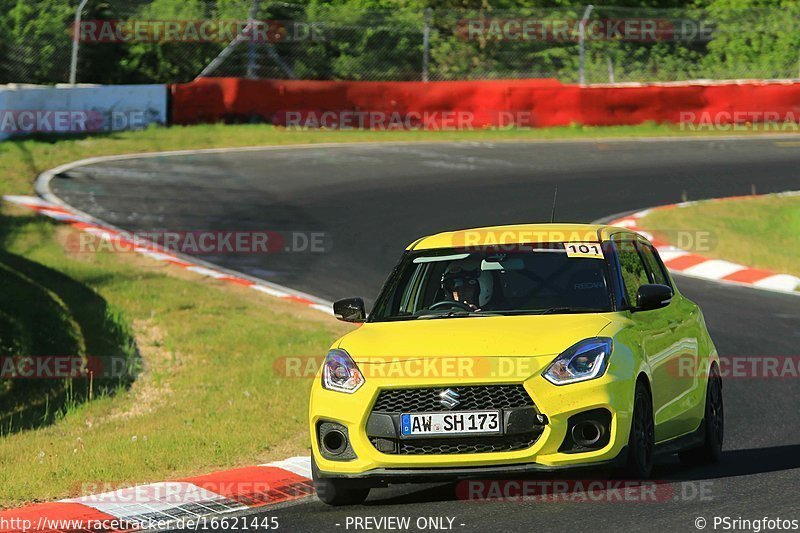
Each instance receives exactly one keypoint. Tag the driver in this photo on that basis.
(465, 282)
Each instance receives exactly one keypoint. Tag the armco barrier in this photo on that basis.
(540, 102)
(63, 109)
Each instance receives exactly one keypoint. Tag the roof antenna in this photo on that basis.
(553, 212)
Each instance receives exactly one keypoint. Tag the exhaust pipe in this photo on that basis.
(334, 442)
(587, 433)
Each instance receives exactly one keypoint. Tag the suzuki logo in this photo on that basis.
(449, 398)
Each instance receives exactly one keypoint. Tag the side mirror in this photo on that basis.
(350, 310)
(652, 296)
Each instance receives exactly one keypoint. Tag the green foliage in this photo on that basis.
(148, 62)
(383, 39)
(38, 40)
(761, 35)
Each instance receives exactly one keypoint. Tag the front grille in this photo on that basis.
(512, 399)
(451, 446)
(471, 398)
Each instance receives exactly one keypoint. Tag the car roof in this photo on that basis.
(517, 234)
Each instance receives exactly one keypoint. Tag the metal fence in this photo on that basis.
(178, 40)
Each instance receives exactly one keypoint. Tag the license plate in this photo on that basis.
(450, 423)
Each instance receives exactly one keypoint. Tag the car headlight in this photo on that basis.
(340, 372)
(583, 361)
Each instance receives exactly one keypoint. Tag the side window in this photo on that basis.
(632, 268)
(654, 267)
(612, 262)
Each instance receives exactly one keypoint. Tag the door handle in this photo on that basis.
(673, 325)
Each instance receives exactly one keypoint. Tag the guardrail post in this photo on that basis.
(76, 32)
(610, 70)
(426, 43)
(582, 47)
(251, 48)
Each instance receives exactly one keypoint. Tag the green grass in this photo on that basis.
(761, 232)
(208, 397)
(59, 317)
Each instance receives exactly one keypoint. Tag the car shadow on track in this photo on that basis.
(742, 463)
(734, 463)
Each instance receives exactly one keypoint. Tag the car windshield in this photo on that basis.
(530, 279)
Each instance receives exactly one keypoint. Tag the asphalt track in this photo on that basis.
(371, 200)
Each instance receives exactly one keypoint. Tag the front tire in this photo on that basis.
(641, 443)
(714, 421)
(334, 491)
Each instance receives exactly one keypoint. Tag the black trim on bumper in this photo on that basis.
(384, 476)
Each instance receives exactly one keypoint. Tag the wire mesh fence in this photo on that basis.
(137, 41)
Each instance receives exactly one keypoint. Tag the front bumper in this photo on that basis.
(385, 476)
(557, 403)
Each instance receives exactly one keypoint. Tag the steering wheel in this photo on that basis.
(450, 303)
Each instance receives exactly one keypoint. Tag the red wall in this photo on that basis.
(537, 102)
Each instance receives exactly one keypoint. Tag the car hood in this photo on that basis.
(491, 336)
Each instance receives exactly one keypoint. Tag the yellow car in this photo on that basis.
(503, 350)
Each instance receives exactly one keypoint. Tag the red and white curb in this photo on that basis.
(187, 503)
(698, 266)
(90, 225)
